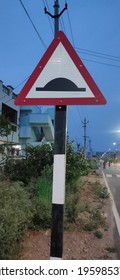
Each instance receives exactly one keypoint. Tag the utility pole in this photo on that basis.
(90, 148)
(85, 137)
(59, 167)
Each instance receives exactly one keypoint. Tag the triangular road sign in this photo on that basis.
(60, 78)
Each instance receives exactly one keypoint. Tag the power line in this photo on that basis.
(111, 65)
(70, 26)
(21, 82)
(33, 24)
(100, 56)
(113, 56)
(73, 120)
(79, 113)
(46, 4)
(62, 23)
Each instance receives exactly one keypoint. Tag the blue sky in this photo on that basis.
(95, 27)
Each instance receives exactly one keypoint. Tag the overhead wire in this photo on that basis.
(103, 63)
(73, 119)
(93, 53)
(79, 113)
(100, 56)
(38, 34)
(21, 82)
(111, 57)
(70, 25)
(45, 3)
(62, 23)
(99, 53)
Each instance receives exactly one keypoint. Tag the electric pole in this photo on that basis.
(90, 148)
(85, 137)
(59, 166)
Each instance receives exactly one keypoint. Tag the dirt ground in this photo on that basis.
(78, 244)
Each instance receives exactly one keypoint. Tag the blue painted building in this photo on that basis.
(35, 127)
(30, 125)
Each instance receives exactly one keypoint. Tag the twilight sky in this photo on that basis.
(92, 27)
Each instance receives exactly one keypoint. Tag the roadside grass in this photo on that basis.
(16, 214)
(100, 191)
(24, 207)
(84, 215)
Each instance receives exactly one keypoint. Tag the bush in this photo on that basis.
(98, 234)
(15, 217)
(71, 209)
(101, 191)
(37, 158)
(92, 164)
(93, 221)
(76, 164)
(42, 214)
(45, 189)
(19, 170)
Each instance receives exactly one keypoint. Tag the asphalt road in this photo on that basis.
(112, 178)
(112, 175)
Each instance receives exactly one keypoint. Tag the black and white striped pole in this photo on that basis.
(59, 167)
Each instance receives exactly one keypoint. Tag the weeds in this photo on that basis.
(111, 249)
(15, 217)
(90, 219)
(100, 191)
(98, 234)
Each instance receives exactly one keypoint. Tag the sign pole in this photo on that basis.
(59, 166)
(49, 79)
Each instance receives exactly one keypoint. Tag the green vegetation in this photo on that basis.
(76, 165)
(25, 196)
(37, 158)
(92, 163)
(100, 190)
(93, 221)
(98, 234)
(5, 126)
(15, 217)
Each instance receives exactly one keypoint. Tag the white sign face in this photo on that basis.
(60, 78)
(60, 65)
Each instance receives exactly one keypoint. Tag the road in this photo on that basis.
(112, 179)
(112, 175)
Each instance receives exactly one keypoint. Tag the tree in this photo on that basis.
(5, 126)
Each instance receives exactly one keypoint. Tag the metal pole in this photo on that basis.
(85, 137)
(56, 18)
(90, 147)
(59, 167)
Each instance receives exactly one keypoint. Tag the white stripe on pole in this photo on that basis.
(58, 196)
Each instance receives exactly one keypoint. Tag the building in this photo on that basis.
(10, 111)
(36, 127)
(30, 126)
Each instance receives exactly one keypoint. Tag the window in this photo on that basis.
(6, 90)
(9, 113)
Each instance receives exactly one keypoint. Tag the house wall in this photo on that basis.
(7, 97)
(36, 127)
(30, 126)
